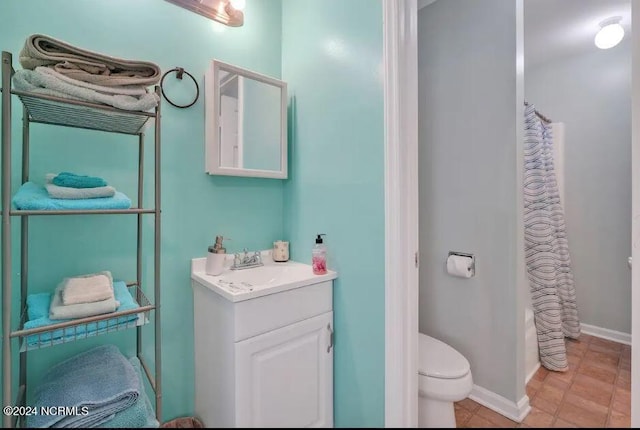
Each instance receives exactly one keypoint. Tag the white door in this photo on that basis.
(229, 131)
(284, 378)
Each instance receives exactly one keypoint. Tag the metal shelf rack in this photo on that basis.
(46, 109)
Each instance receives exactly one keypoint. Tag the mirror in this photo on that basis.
(246, 123)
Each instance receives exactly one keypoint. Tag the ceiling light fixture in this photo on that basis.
(611, 33)
(238, 4)
(227, 12)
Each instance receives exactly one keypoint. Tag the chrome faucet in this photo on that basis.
(246, 260)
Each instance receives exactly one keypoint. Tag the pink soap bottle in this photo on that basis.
(319, 257)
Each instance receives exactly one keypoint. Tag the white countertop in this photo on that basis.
(245, 284)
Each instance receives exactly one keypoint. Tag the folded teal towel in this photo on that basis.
(101, 380)
(32, 196)
(71, 180)
(38, 314)
(56, 192)
(141, 414)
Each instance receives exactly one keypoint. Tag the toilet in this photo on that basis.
(444, 377)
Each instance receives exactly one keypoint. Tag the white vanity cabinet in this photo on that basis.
(266, 361)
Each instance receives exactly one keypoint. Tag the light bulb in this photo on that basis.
(610, 34)
(238, 4)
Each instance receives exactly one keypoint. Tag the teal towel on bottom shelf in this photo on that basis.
(140, 414)
(99, 382)
(38, 314)
(71, 180)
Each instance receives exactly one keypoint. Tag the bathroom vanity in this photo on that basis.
(263, 346)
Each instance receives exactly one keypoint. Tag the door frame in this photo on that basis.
(635, 212)
(400, 34)
(401, 214)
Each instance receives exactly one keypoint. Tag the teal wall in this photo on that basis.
(332, 61)
(196, 206)
(330, 53)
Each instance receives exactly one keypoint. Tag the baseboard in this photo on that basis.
(505, 407)
(605, 333)
(533, 372)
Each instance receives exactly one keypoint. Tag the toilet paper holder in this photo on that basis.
(464, 254)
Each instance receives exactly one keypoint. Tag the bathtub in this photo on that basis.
(532, 360)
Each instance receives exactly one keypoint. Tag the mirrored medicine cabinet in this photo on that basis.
(245, 123)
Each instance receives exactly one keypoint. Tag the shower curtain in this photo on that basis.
(546, 249)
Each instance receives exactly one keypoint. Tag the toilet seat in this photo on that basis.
(436, 359)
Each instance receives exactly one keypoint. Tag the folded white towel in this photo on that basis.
(68, 193)
(60, 311)
(89, 288)
(129, 90)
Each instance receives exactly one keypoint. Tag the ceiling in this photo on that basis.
(558, 28)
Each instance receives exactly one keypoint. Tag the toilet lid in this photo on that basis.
(439, 360)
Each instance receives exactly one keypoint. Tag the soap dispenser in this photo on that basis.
(216, 257)
(319, 257)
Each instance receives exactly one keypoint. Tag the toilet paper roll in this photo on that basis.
(460, 266)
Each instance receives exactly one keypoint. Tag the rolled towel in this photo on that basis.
(43, 83)
(140, 415)
(67, 193)
(89, 288)
(71, 180)
(84, 65)
(101, 380)
(60, 311)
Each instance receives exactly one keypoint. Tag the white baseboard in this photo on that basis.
(605, 333)
(533, 372)
(505, 407)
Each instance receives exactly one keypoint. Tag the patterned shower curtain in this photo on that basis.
(546, 249)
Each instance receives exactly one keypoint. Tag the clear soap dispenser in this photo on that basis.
(216, 257)
(319, 256)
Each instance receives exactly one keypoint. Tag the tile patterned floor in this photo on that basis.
(594, 393)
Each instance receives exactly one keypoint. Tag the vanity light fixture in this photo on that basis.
(611, 33)
(227, 12)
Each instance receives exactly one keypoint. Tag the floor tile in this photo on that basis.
(550, 393)
(541, 374)
(622, 396)
(531, 391)
(534, 383)
(604, 374)
(582, 417)
(590, 391)
(469, 404)
(562, 376)
(479, 422)
(545, 405)
(585, 403)
(625, 364)
(462, 415)
(560, 423)
(538, 418)
(594, 392)
(558, 383)
(606, 345)
(495, 418)
(599, 358)
(619, 420)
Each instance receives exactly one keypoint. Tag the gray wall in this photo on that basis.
(591, 94)
(469, 129)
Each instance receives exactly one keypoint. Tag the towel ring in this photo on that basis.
(179, 73)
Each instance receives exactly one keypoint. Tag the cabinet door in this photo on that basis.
(284, 378)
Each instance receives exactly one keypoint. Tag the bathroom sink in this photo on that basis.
(263, 275)
(244, 284)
